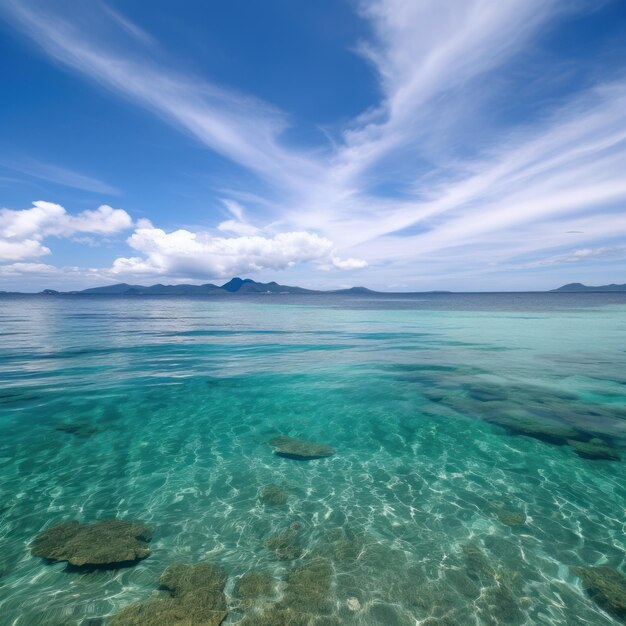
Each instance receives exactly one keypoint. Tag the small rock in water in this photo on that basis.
(595, 449)
(606, 587)
(110, 543)
(353, 604)
(300, 449)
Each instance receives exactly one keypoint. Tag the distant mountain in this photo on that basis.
(354, 290)
(577, 287)
(234, 286)
(247, 285)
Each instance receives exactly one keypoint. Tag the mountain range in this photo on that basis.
(235, 286)
(248, 286)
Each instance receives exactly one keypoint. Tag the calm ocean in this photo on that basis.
(435, 509)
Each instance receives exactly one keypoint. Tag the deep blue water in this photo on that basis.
(419, 395)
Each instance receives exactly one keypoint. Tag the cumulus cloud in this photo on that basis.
(185, 253)
(200, 254)
(23, 231)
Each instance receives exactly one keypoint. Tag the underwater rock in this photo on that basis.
(79, 429)
(340, 545)
(477, 563)
(606, 587)
(196, 598)
(441, 621)
(308, 587)
(254, 585)
(181, 579)
(275, 616)
(285, 545)
(595, 449)
(499, 605)
(461, 582)
(306, 601)
(511, 518)
(273, 494)
(299, 449)
(110, 543)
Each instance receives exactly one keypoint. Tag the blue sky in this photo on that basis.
(398, 144)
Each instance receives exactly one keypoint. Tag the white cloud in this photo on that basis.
(19, 269)
(22, 232)
(201, 255)
(348, 264)
(21, 249)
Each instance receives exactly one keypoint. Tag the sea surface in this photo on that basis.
(434, 510)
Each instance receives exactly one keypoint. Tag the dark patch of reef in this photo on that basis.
(286, 545)
(253, 586)
(299, 449)
(556, 417)
(307, 599)
(594, 449)
(194, 597)
(606, 587)
(80, 429)
(273, 494)
(508, 516)
(106, 543)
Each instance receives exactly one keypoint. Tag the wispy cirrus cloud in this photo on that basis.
(242, 128)
(58, 175)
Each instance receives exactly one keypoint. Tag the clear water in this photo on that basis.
(186, 392)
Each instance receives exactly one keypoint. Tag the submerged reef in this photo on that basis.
(286, 544)
(111, 543)
(308, 587)
(478, 566)
(547, 414)
(254, 585)
(606, 587)
(195, 598)
(307, 599)
(595, 449)
(340, 544)
(544, 430)
(273, 494)
(83, 430)
(299, 449)
(511, 517)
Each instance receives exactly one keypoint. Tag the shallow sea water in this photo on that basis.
(414, 511)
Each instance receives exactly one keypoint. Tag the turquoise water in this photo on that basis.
(180, 396)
